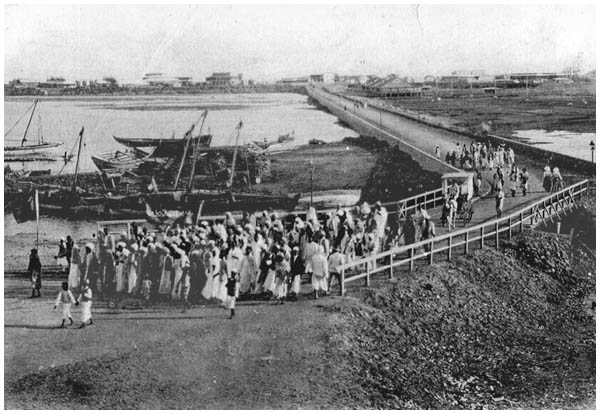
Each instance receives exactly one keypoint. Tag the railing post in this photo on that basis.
(411, 263)
(531, 216)
(368, 278)
(497, 235)
(467, 242)
(482, 240)
(391, 265)
(431, 252)
(450, 247)
(521, 222)
(509, 228)
(343, 287)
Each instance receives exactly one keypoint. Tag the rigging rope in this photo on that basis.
(19, 120)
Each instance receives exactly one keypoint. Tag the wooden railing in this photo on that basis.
(464, 240)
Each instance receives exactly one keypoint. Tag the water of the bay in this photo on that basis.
(263, 115)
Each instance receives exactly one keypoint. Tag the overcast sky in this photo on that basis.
(270, 42)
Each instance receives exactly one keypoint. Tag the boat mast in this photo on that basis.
(239, 127)
(195, 157)
(78, 154)
(40, 132)
(185, 150)
(35, 102)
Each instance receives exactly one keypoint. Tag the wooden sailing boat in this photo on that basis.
(28, 151)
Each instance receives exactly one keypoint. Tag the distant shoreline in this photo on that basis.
(145, 91)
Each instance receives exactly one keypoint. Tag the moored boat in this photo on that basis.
(120, 160)
(135, 142)
(26, 151)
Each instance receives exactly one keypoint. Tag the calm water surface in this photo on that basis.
(263, 115)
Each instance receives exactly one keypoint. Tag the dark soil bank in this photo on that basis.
(396, 175)
(496, 329)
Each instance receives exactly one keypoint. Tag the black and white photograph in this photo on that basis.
(299, 207)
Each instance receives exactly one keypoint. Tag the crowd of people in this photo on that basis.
(479, 155)
(256, 256)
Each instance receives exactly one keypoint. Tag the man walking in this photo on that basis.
(335, 261)
(320, 272)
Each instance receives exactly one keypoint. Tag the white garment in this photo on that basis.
(216, 285)
(280, 289)
(230, 302)
(66, 311)
(296, 284)
(86, 305)
(65, 297)
(165, 279)
(381, 218)
(319, 282)
(132, 276)
(120, 271)
(234, 260)
(270, 281)
(74, 276)
(86, 311)
(177, 282)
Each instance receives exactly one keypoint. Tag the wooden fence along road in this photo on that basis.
(461, 241)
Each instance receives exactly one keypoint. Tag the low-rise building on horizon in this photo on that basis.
(222, 79)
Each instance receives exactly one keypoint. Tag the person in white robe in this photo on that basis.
(165, 287)
(74, 269)
(122, 255)
(133, 268)
(320, 272)
(85, 298)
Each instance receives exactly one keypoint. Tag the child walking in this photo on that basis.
(86, 303)
(66, 298)
(230, 299)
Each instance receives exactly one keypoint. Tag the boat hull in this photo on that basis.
(120, 160)
(135, 142)
(30, 152)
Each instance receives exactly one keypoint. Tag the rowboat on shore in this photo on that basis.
(120, 160)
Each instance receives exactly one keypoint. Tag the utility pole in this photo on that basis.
(312, 171)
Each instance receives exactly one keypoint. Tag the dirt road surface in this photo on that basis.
(268, 356)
